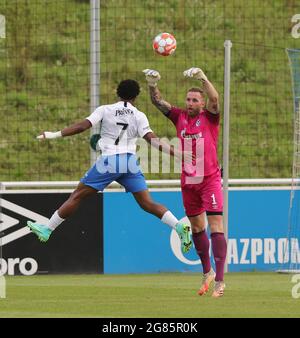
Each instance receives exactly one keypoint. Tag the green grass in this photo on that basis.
(136, 296)
(44, 77)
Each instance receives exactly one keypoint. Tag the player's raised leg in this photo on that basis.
(43, 231)
(183, 230)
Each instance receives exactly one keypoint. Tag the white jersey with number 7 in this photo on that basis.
(121, 124)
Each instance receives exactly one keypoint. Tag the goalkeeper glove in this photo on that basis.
(152, 77)
(49, 135)
(195, 73)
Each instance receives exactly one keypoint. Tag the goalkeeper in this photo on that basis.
(121, 124)
(201, 187)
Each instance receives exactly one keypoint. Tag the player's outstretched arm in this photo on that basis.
(152, 77)
(68, 131)
(209, 89)
(155, 142)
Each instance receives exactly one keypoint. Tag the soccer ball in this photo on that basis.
(164, 44)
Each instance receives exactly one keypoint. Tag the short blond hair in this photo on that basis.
(196, 89)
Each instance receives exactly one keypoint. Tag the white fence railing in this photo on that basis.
(150, 183)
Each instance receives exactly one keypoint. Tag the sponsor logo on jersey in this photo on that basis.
(124, 111)
(190, 136)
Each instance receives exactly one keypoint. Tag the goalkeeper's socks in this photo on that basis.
(201, 243)
(219, 249)
(170, 219)
(55, 221)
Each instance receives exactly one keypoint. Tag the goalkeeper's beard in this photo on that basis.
(193, 111)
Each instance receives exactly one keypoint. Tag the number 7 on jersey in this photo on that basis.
(125, 126)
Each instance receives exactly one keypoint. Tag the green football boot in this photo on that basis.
(184, 233)
(40, 230)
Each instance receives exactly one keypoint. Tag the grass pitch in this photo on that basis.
(169, 295)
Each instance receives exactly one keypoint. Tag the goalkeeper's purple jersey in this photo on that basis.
(199, 134)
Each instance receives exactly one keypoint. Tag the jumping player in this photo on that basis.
(121, 124)
(201, 187)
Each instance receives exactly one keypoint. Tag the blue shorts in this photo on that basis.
(122, 168)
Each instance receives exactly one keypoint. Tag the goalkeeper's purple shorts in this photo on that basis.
(205, 196)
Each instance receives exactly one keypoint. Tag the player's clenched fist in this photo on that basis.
(152, 77)
(195, 73)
